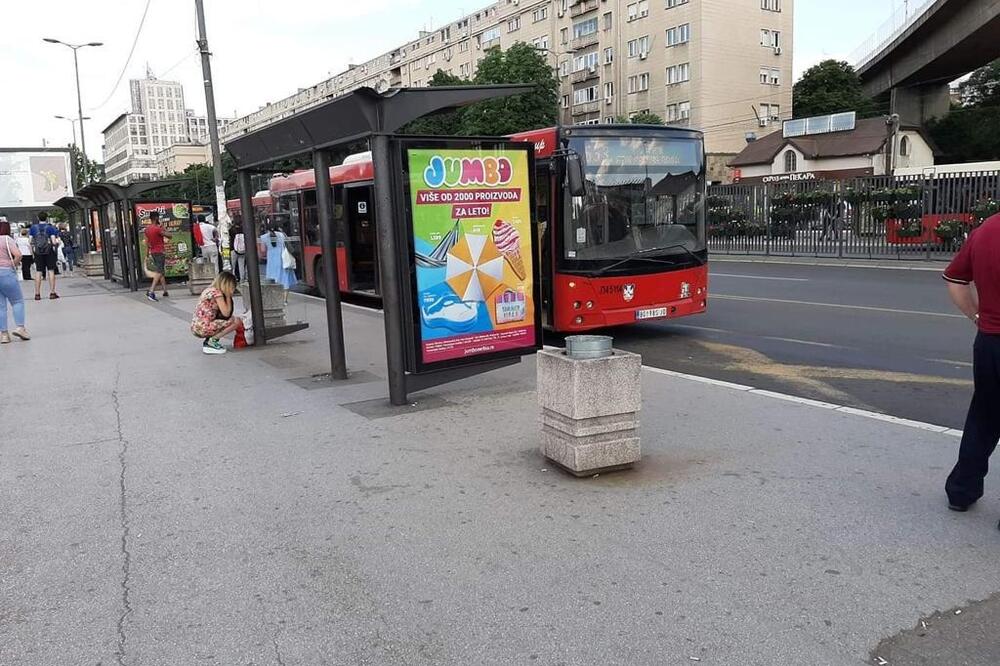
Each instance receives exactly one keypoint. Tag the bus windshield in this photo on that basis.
(645, 197)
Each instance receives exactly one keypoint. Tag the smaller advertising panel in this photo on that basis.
(472, 243)
(175, 218)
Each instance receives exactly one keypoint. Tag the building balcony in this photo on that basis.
(582, 7)
(583, 42)
(586, 108)
(491, 44)
(585, 74)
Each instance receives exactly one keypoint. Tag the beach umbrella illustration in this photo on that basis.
(474, 267)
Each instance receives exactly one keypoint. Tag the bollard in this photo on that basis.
(590, 396)
(273, 300)
(201, 275)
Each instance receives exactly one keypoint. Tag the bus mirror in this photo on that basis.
(574, 174)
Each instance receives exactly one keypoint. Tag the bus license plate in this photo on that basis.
(654, 313)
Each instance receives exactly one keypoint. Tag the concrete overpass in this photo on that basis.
(914, 57)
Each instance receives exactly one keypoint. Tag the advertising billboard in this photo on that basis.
(473, 258)
(175, 218)
(34, 179)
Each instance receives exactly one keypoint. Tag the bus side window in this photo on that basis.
(339, 224)
(311, 217)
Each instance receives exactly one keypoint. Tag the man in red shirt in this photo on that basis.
(974, 286)
(155, 236)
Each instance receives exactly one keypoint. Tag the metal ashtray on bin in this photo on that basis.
(590, 396)
(589, 346)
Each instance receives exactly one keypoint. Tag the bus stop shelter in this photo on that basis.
(78, 209)
(117, 231)
(359, 115)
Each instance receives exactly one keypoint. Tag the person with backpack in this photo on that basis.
(44, 240)
(68, 246)
(240, 252)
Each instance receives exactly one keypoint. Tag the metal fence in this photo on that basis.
(880, 217)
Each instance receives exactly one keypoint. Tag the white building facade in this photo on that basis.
(723, 66)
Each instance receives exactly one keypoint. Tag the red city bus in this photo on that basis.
(628, 245)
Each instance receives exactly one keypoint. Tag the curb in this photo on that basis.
(828, 263)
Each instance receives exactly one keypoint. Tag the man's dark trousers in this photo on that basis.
(982, 427)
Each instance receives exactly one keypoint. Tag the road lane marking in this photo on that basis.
(839, 306)
(701, 328)
(963, 364)
(805, 342)
(758, 277)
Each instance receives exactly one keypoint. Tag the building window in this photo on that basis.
(638, 10)
(490, 34)
(904, 146)
(678, 73)
(607, 20)
(609, 55)
(770, 38)
(791, 161)
(770, 113)
(770, 76)
(539, 14)
(463, 46)
(609, 91)
(679, 35)
(675, 3)
(638, 48)
(541, 43)
(564, 68)
(584, 28)
(585, 61)
(565, 101)
(564, 35)
(585, 95)
(638, 83)
(770, 5)
(514, 24)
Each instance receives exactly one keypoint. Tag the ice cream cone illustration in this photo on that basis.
(508, 241)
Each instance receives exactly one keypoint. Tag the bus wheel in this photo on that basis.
(320, 278)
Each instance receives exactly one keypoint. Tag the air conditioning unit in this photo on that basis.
(763, 122)
(643, 55)
(592, 69)
(777, 50)
(560, 13)
(607, 100)
(775, 118)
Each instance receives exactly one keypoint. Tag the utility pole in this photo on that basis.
(221, 214)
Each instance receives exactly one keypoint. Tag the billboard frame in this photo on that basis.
(71, 176)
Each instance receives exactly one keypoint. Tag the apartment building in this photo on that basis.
(157, 121)
(722, 66)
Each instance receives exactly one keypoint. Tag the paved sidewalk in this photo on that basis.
(165, 507)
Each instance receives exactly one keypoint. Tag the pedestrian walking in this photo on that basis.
(213, 316)
(240, 252)
(68, 246)
(156, 250)
(24, 247)
(44, 240)
(210, 242)
(10, 289)
(974, 286)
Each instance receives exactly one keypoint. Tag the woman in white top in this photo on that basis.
(10, 290)
(27, 257)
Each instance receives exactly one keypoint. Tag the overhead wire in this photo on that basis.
(128, 60)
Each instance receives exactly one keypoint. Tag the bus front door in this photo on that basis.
(362, 261)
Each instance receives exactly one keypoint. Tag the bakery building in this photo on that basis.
(835, 147)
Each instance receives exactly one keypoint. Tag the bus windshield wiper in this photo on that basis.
(635, 255)
(640, 255)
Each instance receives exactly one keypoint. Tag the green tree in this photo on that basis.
(644, 118)
(983, 87)
(85, 170)
(968, 134)
(832, 86)
(521, 63)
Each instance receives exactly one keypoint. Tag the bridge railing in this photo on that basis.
(894, 26)
(877, 217)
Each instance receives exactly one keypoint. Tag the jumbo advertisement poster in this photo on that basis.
(472, 240)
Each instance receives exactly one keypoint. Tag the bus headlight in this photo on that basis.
(576, 305)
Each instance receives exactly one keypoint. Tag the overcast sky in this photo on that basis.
(263, 50)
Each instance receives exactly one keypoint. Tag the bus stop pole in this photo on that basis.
(253, 262)
(331, 274)
(385, 225)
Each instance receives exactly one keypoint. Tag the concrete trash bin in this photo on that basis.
(202, 273)
(590, 408)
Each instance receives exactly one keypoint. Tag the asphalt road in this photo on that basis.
(879, 339)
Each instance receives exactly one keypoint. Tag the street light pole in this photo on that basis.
(72, 122)
(79, 98)
(222, 215)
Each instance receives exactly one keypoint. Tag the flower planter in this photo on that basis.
(928, 224)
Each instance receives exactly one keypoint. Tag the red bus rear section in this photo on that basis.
(630, 248)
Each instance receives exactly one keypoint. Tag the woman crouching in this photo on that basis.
(213, 317)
